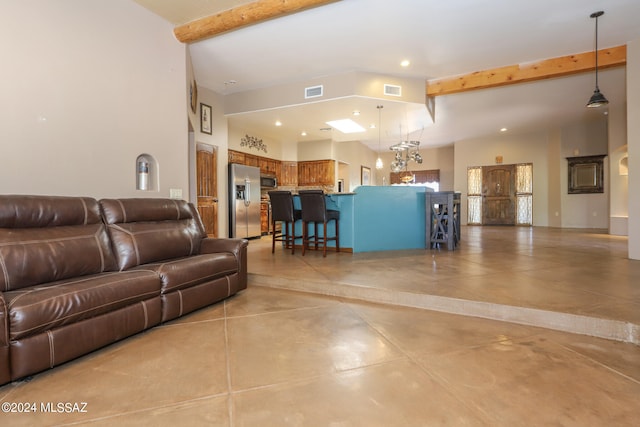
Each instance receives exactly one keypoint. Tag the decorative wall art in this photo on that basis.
(193, 96)
(586, 174)
(253, 142)
(365, 175)
(205, 119)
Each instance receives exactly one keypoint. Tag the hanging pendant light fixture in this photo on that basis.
(379, 163)
(597, 99)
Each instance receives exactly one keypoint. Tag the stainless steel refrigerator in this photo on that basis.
(244, 201)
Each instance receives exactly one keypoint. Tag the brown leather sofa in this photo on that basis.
(77, 274)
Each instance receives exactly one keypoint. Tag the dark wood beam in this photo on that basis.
(241, 16)
(540, 70)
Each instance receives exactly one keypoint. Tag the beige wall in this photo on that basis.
(524, 148)
(633, 142)
(584, 210)
(87, 86)
(219, 141)
(552, 205)
(432, 158)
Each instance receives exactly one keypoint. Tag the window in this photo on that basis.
(425, 178)
(524, 194)
(474, 195)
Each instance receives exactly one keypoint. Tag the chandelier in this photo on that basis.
(405, 152)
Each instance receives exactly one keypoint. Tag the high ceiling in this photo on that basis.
(441, 39)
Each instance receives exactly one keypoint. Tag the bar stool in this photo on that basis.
(314, 210)
(282, 210)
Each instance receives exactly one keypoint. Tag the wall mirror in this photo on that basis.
(586, 174)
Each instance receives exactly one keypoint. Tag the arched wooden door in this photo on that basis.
(207, 187)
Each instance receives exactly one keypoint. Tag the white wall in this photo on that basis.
(87, 86)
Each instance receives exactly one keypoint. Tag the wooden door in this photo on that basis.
(498, 195)
(207, 187)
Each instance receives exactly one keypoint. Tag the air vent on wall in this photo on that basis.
(392, 90)
(312, 92)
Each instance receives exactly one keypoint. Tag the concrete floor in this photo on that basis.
(278, 357)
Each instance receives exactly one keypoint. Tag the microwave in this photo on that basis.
(268, 181)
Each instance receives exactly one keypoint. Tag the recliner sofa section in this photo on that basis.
(167, 237)
(77, 274)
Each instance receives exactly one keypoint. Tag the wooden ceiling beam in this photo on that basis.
(540, 70)
(241, 16)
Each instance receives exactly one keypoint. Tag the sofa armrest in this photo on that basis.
(237, 247)
(212, 245)
(5, 367)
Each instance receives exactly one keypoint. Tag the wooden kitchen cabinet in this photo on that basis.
(251, 160)
(236, 157)
(317, 172)
(268, 166)
(264, 217)
(288, 174)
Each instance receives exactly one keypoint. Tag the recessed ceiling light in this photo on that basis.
(356, 112)
(405, 63)
(504, 130)
(346, 126)
(372, 126)
(278, 123)
(303, 133)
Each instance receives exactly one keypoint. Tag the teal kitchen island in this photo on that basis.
(377, 218)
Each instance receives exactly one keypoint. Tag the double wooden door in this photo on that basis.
(207, 187)
(499, 195)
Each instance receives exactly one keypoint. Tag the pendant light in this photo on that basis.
(597, 99)
(379, 164)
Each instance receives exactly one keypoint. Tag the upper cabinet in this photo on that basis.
(251, 160)
(236, 157)
(267, 166)
(317, 172)
(288, 174)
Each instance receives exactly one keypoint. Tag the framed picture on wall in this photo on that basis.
(365, 175)
(205, 118)
(193, 96)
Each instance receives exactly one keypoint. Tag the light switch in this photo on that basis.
(175, 193)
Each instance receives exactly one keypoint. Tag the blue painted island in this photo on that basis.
(377, 218)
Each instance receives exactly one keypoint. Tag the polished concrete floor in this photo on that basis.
(277, 357)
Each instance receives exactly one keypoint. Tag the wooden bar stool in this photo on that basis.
(282, 210)
(314, 210)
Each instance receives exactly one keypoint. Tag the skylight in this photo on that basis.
(346, 126)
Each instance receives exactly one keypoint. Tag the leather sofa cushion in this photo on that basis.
(41, 308)
(47, 238)
(187, 272)
(150, 230)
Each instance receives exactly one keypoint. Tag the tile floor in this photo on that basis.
(274, 357)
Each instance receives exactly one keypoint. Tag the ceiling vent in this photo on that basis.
(313, 92)
(392, 90)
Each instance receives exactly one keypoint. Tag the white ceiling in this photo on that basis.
(440, 38)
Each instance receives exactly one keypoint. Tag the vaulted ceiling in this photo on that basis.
(440, 39)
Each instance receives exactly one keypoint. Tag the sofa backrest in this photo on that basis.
(150, 230)
(49, 238)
